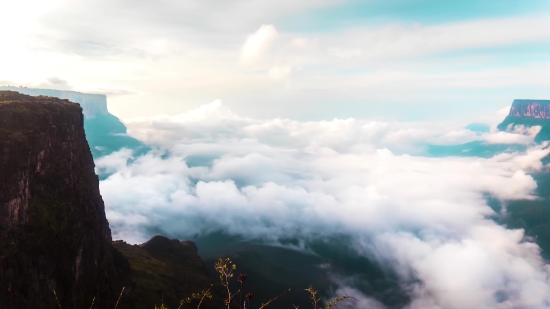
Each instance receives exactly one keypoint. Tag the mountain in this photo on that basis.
(169, 270)
(525, 113)
(53, 231)
(529, 113)
(105, 132)
(54, 235)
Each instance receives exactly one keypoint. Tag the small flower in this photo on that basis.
(249, 296)
(242, 278)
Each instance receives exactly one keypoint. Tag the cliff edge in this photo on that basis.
(92, 104)
(529, 113)
(53, 231)
(105, 132)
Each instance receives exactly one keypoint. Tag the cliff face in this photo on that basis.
(529, 113)
(53, 231)
(539, 109)
(105, 132)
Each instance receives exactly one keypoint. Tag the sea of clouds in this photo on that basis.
(427, 218)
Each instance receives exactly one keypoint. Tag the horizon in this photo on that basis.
(414, 60)
(378, 149)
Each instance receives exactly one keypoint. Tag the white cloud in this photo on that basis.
(279, 72)
(109, 91)
(276, 178)
(400, 40)
(178, 53)
(54, 80)
(258, 43)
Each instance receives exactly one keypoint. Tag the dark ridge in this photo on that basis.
(53, 231)
(168, 269)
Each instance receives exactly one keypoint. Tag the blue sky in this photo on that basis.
(307, 60)
(379, 12)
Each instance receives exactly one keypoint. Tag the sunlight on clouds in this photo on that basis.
(232, 53)
(427, 218)
(258, 43)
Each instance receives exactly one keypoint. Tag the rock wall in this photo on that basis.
(529, 113)
(54, 235)
(539, 109)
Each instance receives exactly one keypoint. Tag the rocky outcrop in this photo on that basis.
(538, 109)
(529, 113)
(105, 132)
(54, 235)
(93, 105)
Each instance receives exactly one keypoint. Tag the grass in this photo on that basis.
(226, 270)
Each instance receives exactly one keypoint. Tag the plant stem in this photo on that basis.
(119, 296)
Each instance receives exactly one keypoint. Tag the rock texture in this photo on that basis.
(53, 231)
(538, 109)
(529, 113)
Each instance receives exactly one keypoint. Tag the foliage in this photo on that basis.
(226, 269)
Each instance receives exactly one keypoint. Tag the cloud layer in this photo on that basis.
(426, 218)
(253, 55)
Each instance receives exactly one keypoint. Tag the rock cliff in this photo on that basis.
(93, 105)
(538, 109)
(105, 132)
(53, 231)
(529, 113)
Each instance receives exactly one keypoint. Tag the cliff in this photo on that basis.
(529, 113)
(105, 132)
(538, 109)
(93, 105)
(53, 231)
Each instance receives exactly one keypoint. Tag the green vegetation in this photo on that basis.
(226, 271)
(164, 269)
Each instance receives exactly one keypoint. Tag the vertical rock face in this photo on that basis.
(538, 109)
(53, 231)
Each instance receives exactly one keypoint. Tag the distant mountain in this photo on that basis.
(531, 215)
(529, 113)
(105, 132)
(526, 113)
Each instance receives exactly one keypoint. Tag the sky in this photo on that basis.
(303, 60)
(307, 119)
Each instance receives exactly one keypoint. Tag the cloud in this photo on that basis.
(257, 43)
(110, 91)
(195, 52)
(54, 80)
(279, 72)
(489, 268)
(426, 218)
